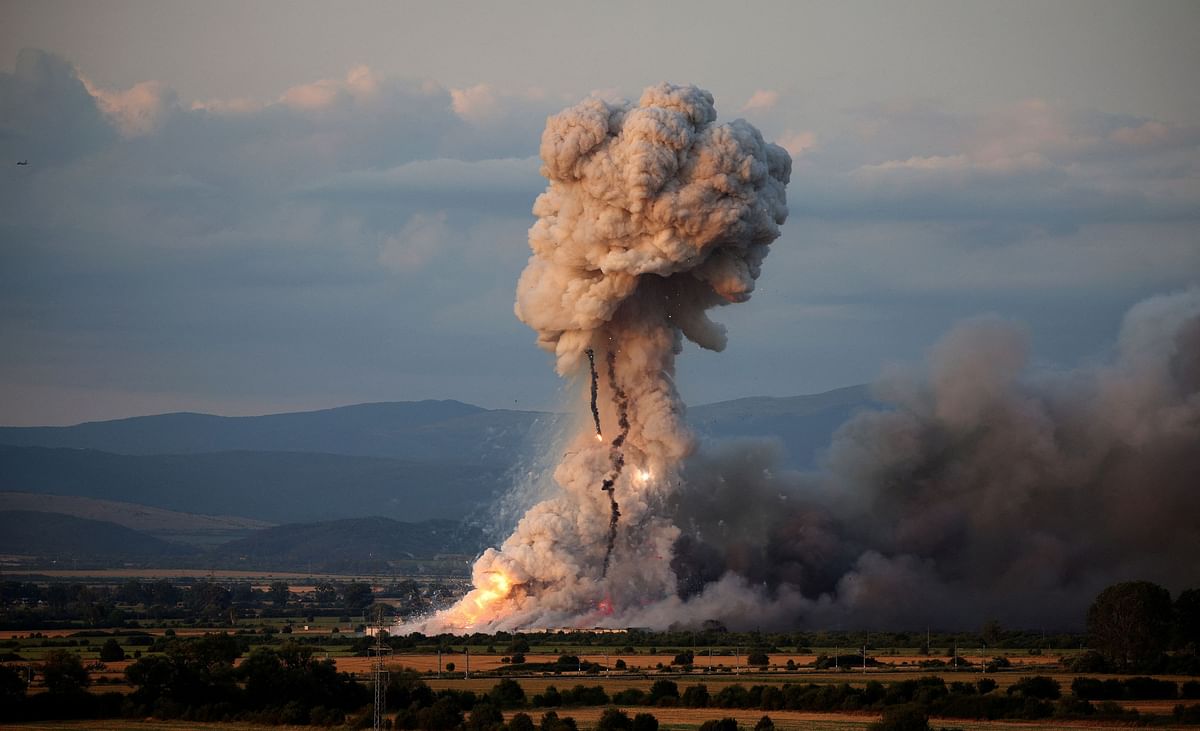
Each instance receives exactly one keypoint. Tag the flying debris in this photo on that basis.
(653, 214)
(591, 356)
(616, 457)
(22, 162)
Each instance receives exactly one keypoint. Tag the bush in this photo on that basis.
(630, 697)
(663, 689)
(551, 722)
(111, 651)
(520, 722)
(484, 717)
(902, 718)
(614, 719)
(725, 724)
(1036, 686)
(508, 693)
(695, 696)
(645, 722)
(764, 724)
(758, 658)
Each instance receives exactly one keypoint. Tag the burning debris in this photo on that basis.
(616, 457)
(591, 356)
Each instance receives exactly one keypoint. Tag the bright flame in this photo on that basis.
(500, 585)
(643, 475)
(599, 437)
(480, 604)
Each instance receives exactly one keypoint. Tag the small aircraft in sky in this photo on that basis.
(22, 162)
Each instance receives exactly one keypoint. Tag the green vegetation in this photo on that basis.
(265, 670)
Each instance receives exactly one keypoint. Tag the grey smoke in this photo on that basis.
(985, 489)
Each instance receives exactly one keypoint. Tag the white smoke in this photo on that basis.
(654, 213)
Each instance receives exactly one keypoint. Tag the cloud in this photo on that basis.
(137, 111)
(418, 242)
(475, 104)
(797, 143)
(761, 101)
(360, 84)
(442, 179)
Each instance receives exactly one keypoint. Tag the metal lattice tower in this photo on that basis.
(379, 673)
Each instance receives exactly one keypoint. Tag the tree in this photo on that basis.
(64, 673)
(508, 693)
(1187, 620)
(325, 593)
(764, 724)
(695, 696)
(12, 687)
(279, 593)
(614, 719)
(521, 722)
(1037, 686)
(663, 689)
(724, 724)
(356, 596)
(758, 657)
(111, 651)
(484, 717)
(1130, 623)
(902, 718)
(645, 722)
(991, 632)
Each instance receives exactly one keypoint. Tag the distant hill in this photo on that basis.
(279, 487)
(803, 424)
(412, 430)
(430, 431)
(167, 525)
(355, 545)
(53, 535)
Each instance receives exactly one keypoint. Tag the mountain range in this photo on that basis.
(411, 462)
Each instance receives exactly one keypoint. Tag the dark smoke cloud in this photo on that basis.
(986, 489)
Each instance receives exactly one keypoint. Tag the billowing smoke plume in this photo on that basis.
(654, 213)
(985, 490)
(982, 489)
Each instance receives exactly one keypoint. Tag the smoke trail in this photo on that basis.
(654, 213)
(616, 456)
(591, 356)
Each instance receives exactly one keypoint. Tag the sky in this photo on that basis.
(244, 208)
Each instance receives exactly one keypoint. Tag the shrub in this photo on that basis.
(725, 724)
(695, 696)
(520, 722)
(902, 718)
(508, 693)
(764, 724)
(614, 719)
(645, 722)
(663, 689)
(111, 651)
(1036, 686)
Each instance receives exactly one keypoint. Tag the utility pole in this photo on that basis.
(379, 673)
(467, 672)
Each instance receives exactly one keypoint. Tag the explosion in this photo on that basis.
(654, 213)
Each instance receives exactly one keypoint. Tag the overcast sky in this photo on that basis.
(244, 208)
